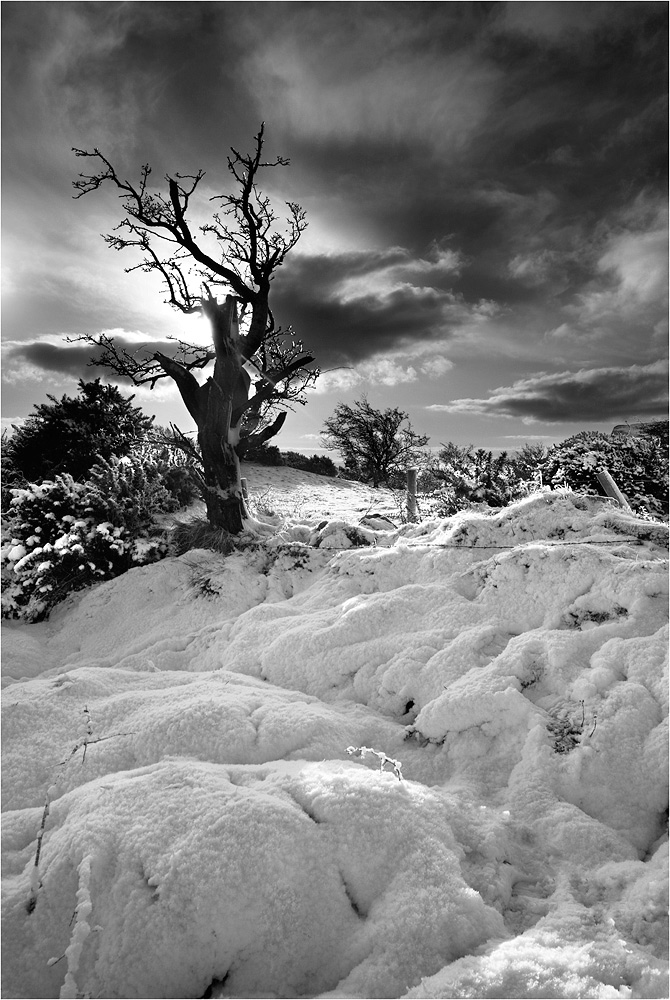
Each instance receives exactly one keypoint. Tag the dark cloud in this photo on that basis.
(596, 395)
(527, 142)
(134, 78)
(350, 306)
(78, 359)
(348, 332)
(572, 126)
(71, 361)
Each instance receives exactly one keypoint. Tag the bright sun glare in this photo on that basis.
(194, 329)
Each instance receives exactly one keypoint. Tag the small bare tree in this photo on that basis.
(374, 443)
(238, 251)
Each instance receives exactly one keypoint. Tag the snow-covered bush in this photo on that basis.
(129, 492)
(638, 465)
(178, 461)
(60, 536)
(463, 477)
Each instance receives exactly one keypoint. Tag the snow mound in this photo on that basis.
(175, 748)
(274, 878)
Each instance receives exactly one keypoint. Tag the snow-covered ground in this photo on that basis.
(182, 744)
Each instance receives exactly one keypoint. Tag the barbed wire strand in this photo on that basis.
(453, 545)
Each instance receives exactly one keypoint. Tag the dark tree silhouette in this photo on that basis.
(373, 443)
(71, 434)
(238, 251)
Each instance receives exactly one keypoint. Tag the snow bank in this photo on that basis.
(279, 877)
(187, 725)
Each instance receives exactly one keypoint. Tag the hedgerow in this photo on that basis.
(269, 454)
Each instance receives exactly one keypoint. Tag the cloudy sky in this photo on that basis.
(485, 185)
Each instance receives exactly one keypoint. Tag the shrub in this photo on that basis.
(129, 492)
(462, 477)
(638, 465)
(11, 476)
(70, 434)
(177, 460)
(61, 536)
(657, 429)
(264, 454)
(320, 464)
(528, 464)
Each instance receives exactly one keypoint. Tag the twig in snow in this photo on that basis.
(88, 738)
(383, 759)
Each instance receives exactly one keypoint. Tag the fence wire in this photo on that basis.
(625, 539)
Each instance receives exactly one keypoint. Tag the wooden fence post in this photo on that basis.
(411, 494)
(611, 489)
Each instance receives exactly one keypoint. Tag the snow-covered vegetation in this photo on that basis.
(61, 535)
(192, 807)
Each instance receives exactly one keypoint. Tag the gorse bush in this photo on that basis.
(177, 460)
(129, 492)
(60, 536)
(69, 435)
(462, 476)
(638, 465)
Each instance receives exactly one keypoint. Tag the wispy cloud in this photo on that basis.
(385, 75)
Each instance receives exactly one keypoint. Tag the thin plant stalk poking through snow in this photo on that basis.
(52, 791)
(383, 759)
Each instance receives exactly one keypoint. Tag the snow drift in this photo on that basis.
(175, 744)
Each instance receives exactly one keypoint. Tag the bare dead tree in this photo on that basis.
(238, 251)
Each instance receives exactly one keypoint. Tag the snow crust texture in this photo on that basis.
(175, 758)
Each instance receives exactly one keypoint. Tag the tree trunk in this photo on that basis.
(223, 487)
(218, 408)
(225, 390)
